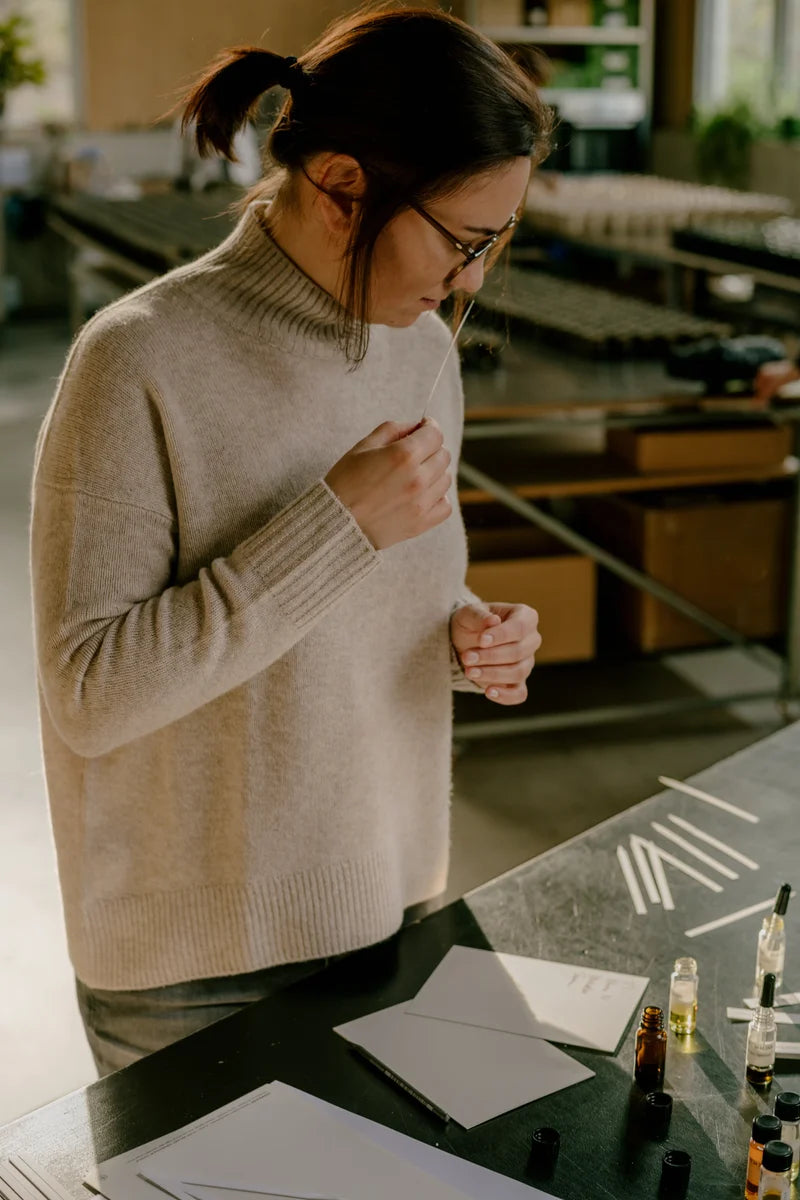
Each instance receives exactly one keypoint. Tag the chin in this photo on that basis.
(401, 319)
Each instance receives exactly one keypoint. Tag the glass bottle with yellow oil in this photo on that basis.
(683, 986)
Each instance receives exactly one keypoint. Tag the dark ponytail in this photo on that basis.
(420, 99)
(227, 95)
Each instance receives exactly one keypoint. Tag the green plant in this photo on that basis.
(788, 128)
(16, 67)
(723, 141)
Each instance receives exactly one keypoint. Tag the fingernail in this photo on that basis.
(486, 639)
(474, 673)
(493, 693)
(470, 657)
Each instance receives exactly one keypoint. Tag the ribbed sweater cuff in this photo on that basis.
(310, 554)
(458, 680)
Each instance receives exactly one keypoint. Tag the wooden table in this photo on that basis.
(569, 904)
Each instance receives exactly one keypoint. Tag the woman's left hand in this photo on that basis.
(496, 645)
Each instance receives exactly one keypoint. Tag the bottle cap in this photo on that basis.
(676, 1167)
(768, 990)
(545, 1144)
(657, 1113)
(777, 1156)
(782, 899)
(787, 1106)
(765, 1128)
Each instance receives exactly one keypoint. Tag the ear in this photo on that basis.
(340, 185)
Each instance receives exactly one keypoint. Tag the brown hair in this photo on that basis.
(419, 98)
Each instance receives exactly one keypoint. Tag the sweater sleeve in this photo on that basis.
(459, 681)
(121, 649)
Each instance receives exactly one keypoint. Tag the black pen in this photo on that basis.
(401, 1083)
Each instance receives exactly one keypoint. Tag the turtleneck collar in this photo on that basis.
(255, 286)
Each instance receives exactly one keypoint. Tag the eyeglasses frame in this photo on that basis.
(470, 250)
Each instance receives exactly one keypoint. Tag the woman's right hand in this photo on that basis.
(395, 481)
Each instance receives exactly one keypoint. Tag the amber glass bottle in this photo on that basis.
(651, 1050)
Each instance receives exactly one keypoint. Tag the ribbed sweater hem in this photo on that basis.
(152, 940)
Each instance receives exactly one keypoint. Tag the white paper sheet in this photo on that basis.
(576, 1005)
(472, 1074)
(278, 1138)
(746, 1014)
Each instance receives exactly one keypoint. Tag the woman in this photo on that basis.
(248, 565)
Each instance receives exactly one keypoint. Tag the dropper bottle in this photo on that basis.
(762, 1034)
(772, 940)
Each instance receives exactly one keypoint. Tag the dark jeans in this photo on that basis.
(124, 1026)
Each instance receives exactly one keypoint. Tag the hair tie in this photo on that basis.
(289, 73)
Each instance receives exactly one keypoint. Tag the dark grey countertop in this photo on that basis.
(570, 904)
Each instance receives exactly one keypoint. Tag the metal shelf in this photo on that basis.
(567, 35)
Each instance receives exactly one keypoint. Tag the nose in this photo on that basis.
(471, 278)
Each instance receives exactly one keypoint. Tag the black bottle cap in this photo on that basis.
(768, 990)
(782, 899)
(545, 1145)
(765, 1128)
(657, 1113)
(787, 1106)
(676, 1167)
(777, 1156)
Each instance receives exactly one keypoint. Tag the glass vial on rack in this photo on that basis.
(771, 953)
(762, 1034)
(536, 12)
(787, 1110)
(651, 1050)
(776, 1164)
(766, 1128)
(683, 986)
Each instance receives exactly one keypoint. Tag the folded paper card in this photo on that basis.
(472, 1074)
(576, 1005)
(280, 1142)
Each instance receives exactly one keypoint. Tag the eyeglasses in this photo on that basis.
(470, 250)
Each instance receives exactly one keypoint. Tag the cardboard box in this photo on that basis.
(522, 566)
(500, 12)
(725, 550)
(570, 12)
(690, 449)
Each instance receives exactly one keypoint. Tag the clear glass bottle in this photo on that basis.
(766, 1128)
(771, 953)
(651, 1050)
(776, 1166)
(762, 1034)
(787, 1110)
(683, 986)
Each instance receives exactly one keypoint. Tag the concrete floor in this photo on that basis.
(514, 797)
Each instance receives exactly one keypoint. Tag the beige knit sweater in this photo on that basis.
(245, 708)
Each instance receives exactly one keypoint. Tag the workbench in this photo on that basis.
(570, 904)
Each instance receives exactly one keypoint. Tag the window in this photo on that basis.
(749, 50)
(51, 32)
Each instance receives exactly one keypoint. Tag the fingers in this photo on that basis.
(507, 676)
(507, 695)
(439, 513)
(504, 655)
(475, 618)
(434, 471)
(420, 441)
(384, 435)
